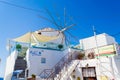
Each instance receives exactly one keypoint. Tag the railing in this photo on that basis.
(106, 50)
(66, 72)
(61, 68)
(49, 45)
(49, 74)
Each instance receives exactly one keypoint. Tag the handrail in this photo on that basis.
(57, 68)
(66, 73)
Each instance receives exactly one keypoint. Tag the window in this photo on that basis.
(43, 60)
(40, 53)
(89, 72)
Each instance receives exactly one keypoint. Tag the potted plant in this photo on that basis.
(80, 56)
(73, 76)
(91, 55)
(78, 78)
(33, 77)
(60, 46)
(18, 47)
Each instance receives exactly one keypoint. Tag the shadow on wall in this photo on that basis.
(116, 61)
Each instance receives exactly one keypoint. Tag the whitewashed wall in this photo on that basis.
(102, 39)
(10, 65)
(104, 66)
(54, 33)
(116, 66)
(34, 59)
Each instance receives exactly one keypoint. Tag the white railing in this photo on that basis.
(67, 70)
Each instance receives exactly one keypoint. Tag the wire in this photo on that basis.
(11, 4)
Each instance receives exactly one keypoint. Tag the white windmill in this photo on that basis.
(62, 28)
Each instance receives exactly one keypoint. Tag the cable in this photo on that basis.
(11, 4)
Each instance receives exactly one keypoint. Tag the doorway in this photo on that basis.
(89, 73)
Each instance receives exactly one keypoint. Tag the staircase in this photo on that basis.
(61, 71)
(106, 67)
(66, 71)
(20, 64)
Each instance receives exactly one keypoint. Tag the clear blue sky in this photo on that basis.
(15, 21)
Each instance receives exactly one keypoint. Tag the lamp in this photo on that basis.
(87, 65)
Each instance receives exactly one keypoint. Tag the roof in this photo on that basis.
(32, 37)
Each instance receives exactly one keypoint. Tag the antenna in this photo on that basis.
(96, 41)
(98, 56)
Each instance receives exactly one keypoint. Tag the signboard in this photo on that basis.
(105, 50)
(35, 53)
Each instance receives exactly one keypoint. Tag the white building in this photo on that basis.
(46, 50)
(48, 61)
(40, 59)
(104, 67)
(98, 69)
(101, 40)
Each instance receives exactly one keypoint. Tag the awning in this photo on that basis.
(17, 72)
(32, 37)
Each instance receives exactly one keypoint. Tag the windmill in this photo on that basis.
(62, 28)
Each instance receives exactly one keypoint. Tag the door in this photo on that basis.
(89, 73)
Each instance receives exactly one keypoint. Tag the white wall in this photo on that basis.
(110, 39)
(102, 39)
(104, 67)
(55, 33)
(52, 32)
(116, 66)
(52, 57)
(10, 65)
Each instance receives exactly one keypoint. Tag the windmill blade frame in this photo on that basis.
(61, 29)
(75, 38)
(58, 26)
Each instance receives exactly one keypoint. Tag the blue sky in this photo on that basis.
(15, 21)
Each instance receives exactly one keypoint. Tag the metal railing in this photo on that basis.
(50, 74)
